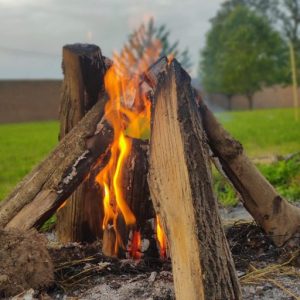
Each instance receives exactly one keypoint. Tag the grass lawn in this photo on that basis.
(22, 146)
(263, 133)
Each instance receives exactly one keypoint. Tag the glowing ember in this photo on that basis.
(134, 249)
(162, 239)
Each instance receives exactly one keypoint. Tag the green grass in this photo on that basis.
(22, 146)
(264, 132)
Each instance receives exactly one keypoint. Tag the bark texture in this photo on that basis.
(181, 189)
(279, 219)
(84, 69)
(49, 184)
(137, 195)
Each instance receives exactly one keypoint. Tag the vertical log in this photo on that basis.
(181, 189)
(83, 66)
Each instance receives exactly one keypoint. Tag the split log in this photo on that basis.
(279, 219)
(181, 189)
(84, 69)
(49, 184)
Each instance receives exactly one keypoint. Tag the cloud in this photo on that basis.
(45, 26)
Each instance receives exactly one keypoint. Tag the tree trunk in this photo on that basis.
(229, 100)
(49, 184)
(278, 218)
(181, 189)
(250, 101)
(84, 69)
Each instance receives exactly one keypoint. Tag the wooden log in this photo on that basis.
(181, 189)
(279, 219)
(137, 195)
(84, 69)
(49, 184)
(135, 183)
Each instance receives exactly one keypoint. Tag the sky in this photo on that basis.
(33, 32)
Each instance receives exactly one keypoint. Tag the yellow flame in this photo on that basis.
(161, 237)
(128, 112)
(124, 146)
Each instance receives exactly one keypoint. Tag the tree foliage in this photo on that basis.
(242, 54)
(283, 14)
(149, 42)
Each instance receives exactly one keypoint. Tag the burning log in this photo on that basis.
(123, 180)
(181, 189)
(137, 195)
(48, 185)
(84, 69)
(279, 219)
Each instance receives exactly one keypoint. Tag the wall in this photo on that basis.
(273, 97)
(29, 100)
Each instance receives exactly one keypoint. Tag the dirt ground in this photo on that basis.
(82, 272)
(24, 262)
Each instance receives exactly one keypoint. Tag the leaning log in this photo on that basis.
(279, 219)
(83, 69)
(46, 188)
(181, 189)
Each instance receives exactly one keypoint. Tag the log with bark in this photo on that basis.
(279, 219)
(181, 189)
(137, 195)
(84, 69)
(49, 184)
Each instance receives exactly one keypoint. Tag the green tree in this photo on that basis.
(284, 16)
(242, 54)
(149, 42)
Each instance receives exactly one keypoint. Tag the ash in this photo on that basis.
(82, 272)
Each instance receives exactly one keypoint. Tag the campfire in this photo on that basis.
(128, 111)
(133, 169)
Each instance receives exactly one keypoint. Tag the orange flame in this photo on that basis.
(161, 237)
(128, 111)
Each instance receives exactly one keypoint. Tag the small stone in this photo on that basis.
(152, 277)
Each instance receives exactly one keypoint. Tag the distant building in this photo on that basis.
(29, 100)
(38, 100)
(271, 97)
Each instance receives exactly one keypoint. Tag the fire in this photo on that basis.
(110, 178)
(161, 237)
(128, 111)
(129, 115)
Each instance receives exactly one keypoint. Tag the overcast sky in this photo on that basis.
(32, 32)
